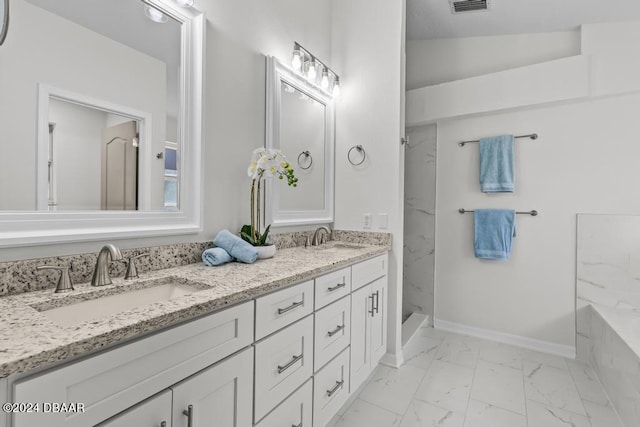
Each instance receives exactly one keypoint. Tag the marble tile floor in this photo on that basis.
(452, 380)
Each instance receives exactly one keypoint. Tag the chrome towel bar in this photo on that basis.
(530, 136)
(532, 213)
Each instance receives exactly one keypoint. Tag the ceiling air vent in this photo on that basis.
(461, 6)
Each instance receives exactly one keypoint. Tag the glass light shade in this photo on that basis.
(312, 73)
(185, 3)
(324, 83)
(155, 15)
(296, 61)
(336, 87)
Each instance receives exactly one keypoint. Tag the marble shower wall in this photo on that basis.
(419, 221)
(608, 268)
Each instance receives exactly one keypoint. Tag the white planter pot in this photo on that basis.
(266, 251)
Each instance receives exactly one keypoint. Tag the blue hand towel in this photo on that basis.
(494, 230)
(216, 256)
(496, 164)
(236, 247)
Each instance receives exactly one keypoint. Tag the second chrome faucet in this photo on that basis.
(101, 271)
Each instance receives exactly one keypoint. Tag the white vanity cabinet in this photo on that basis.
(219, 396)
(290, 358)
(153, 412)
(368, 318)
(115, 380)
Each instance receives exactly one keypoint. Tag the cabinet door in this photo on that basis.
(284, 361)
(360, 364)
(153, 412)
(219, 396)
(378, 320)
(296, 410)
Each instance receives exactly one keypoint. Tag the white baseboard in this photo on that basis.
(392, 360)
(412, 325)
(515, 340)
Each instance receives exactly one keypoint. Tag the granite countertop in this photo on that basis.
(30, 340)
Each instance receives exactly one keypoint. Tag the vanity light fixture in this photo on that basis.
(154, 14)
(296, 61)
(312, 73)
(336, 87)
(306, 64)
(185, 3)
(324, 82)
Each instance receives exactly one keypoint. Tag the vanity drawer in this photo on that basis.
(332, 331)
(277, 310)
(368, 271)
(283, 362)
(110, 382)
(333, 286)
(331, 389)
(295, 411)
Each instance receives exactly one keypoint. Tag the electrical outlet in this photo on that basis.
(383, 221)
(367, 220)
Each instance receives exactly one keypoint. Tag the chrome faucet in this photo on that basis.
(317, 241)
(101, 271)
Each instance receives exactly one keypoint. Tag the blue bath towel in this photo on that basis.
(494, 230)
(236, 247)
(496, 164)
(216, 256)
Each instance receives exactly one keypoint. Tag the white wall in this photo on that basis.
(77, 142)
(368, 55)
(69, 57)
(584, 161)
(431, 62)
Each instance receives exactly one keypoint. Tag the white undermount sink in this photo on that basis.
(337, 246)
(83, 311)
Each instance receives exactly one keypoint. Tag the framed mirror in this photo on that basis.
(300, 122)
(4, 19)
(101, 111)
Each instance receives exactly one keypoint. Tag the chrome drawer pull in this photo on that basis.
(299, 425)
(337, 387)
(335, 331)
(163, 424)
(281, 369)
(189, 414)
(336, 287)
(377, 294)
(372, 311)
(291, 307)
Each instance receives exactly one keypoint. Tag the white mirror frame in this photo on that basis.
(4, 20)
(37, 228)
(277, 73)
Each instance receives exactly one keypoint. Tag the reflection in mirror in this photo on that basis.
(108, 63)
(300, 122)
(4, 19)
(109, 51)
(302, 137)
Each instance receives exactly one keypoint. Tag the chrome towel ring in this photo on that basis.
(360, 150)
(307, 155)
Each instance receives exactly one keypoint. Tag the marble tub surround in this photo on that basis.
(607, 269)
(40, 342)
(614, 356)
(608, 306)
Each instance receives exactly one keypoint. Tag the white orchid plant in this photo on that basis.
(265, 163)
